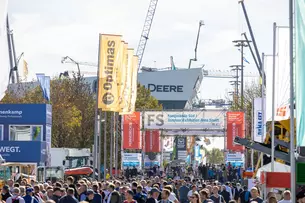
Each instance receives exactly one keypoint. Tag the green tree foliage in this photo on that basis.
(73, 106)
(215, 156)
(145, 101)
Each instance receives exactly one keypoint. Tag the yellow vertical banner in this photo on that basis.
(134, 84)
(123, 74)
(109, 60)
(125, 107)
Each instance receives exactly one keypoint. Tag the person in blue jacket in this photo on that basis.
(28, 198)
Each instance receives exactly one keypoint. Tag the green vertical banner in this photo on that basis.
(300, 71)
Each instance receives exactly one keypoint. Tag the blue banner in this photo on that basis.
(23, 151)
(24, 113)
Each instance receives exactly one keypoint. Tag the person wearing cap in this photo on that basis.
(28, 198)
(70, 197)
(154, 194)
(90, 196)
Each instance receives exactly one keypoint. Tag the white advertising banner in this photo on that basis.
(281, 75)
(259, 127)
(131, 160)
(235, 157)
(207, 119)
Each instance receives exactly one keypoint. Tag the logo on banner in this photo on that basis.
(9, 149)
(281, 111)
(165, 88)
(259, 123)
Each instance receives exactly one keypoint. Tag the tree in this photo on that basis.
(73, 106)
(215, 156)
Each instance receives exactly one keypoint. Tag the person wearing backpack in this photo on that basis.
(244, 196)
(28, 198)
(16, 197)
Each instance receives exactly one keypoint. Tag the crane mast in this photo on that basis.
(146, 30)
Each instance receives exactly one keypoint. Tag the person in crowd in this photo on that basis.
(255, 196)
(28, 198)
(165, 195)
(70, 197)
(56, 195)
(190, 193)
(237, 191)
(216, 197)
(15, 198)
(5, 193)
(140, 197)
(204, 196)
(286, 197)
(195, 198)
(83, 192)
(272, 200)
(90, 196)
(225, 194)
(97, 196)
(154, 195)
(129, 197)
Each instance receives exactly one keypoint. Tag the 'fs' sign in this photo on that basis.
(153, 120)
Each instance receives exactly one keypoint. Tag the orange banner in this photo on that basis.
(131, 131)
(235, 128)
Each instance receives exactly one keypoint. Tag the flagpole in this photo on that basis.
(292, 139)
(273, 97)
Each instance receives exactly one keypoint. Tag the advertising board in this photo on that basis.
(131, 131)
(23, 151)
(235, 128)
(151, 161)
(172, 85)
(207, 119)
(132, 160)
(259, 121)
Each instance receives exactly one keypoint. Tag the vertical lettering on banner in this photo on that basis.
(131, 131)
(235, 127)
(134, 84)
(109, 62)
(127, 92)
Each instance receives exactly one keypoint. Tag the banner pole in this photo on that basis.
(105, 144)
(263, 106)
(292, 137)
(252, 134)
(99, 143)
(111, 142)
(273, 97)
(122, 143)
(143, 140)
(116, 143)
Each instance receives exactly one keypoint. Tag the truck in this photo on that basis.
(63, 159)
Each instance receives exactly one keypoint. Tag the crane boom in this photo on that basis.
(83, 63)
(146, 30)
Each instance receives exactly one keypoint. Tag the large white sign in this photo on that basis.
(131, 160)
(235, 157)
(184, 119)
(259, 127)
(174, 85)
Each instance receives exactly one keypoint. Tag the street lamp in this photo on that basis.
(64, 60)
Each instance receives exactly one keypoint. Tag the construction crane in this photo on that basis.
(201, 23)
(146, 30)
(67, 59)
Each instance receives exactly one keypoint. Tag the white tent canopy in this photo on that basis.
(278, 167)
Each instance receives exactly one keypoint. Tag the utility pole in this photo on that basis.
(241, 44)
(236, 82)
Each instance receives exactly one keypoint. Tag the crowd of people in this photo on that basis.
(137, 190)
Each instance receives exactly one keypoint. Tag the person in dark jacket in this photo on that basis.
(154, 194)
(90, 196)
(5, 193)
(225, 194)
(97, 196)
(69, 198)
(56, 195)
